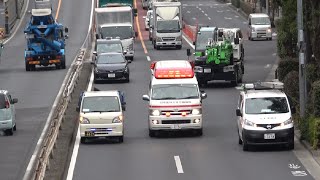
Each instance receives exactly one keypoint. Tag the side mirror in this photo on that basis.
(95, 53)
(91, 62)
(66, 36)
(145, 98)
(66, 30)
(14, 100)
(238, 112)
(97, 36)
(236, 40)
(135, 11)
(188, 52)
(203, 95)
(1, 45)
(78, 109)
(249, 23)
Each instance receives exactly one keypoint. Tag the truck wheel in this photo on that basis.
(63, 63)
(15, 127)
(199, 132)
(245, 146)
(179, 47)
(32, 67)
(27, 67)
(120, 139)
(235, 81)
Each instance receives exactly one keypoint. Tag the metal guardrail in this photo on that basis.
(40, 160)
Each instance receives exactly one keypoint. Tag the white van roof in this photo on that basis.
(258, 15)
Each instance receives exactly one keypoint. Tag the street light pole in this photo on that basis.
(301, 46)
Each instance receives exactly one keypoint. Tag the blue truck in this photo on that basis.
(45, 41)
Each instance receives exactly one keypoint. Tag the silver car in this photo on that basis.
(7, 113)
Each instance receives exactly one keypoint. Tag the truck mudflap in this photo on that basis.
(232, 73)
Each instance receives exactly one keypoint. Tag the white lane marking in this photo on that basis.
(75, 150)
(274, 54)
(236, 16)
(188, 12)
(219, 11)
(227, 18)
(188, 41)
(194, 18)
(17, 28)
(228, 10)
(244, 22)
(210, 6)
(267, 66)
(209, 18)
(202, 11)
(148, 58)
(206, 14)
(178, 164)
(200, 4)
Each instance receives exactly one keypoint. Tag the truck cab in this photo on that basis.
(175, 100)
(167, 25)
(203, 36)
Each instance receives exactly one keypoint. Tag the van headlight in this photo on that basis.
(158, 39)
(117, 119)
(155, 112)
(269, 30)
(196, 111)
(84, 120)
(253, 29)
(249, 123)
(287, 122)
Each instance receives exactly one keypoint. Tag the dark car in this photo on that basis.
(111, 66)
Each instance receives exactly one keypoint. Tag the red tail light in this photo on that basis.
(192, 64)
(153, 64)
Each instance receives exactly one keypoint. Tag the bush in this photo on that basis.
(285, 66)
(236, 3)
(315, 98)
(310, 130)
(291, 86)
(246, 7)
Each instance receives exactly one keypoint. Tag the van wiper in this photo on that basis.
(165, 98)
(111, 110)
(190, 97)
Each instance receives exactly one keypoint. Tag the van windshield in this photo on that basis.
(260, 21)
(100, 104)
(266, 105)
(174, 91)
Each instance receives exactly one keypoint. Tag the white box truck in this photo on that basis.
(167, 25)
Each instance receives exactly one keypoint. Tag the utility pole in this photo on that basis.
(267, 7)
(301, 46)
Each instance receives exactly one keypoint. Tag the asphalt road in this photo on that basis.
(215, 155)
(36, 91)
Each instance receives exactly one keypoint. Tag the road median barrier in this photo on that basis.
(189, 31)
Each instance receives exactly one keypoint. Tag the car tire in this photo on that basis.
(245, 146)
(234, 83)
(291, 143)
(152, 133)
(127, 79)
(15, 127)
(120, 139)
(27, 66)
(239, 140)
(63, 63)
(179, 47)
(83, 140)
(199, 132)
(32, 67)
(9, 132)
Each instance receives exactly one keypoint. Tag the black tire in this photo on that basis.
(179, 47)
(154, 45)
(245, 146)
(83, 140)
(291, 143)
(15, 127)
(32, 67)
(239, 140)
(152, 133)
(9, 132)
(199, 132)
(234, 83)
(63, 63)
(127, 79)
(158, 47)
(120, 139)
(27, 66)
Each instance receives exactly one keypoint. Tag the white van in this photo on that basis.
(101, 114)
(259, 26)
(264, 115)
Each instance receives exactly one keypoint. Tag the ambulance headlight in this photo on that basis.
(155, 113)
(196, 111)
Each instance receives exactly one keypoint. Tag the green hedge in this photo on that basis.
(315, 98)
(236, 3)
(291, 86)
(285, 66)
(246, 7)
(310, 131)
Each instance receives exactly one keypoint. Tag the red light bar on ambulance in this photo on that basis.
(172, 69)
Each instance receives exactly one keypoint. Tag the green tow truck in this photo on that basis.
(216, 61)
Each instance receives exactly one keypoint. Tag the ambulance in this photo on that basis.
(175, 100)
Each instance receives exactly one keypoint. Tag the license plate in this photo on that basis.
(111, 75)
(175, 126)
(207, 70)
(270, 136)
(89, 133)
